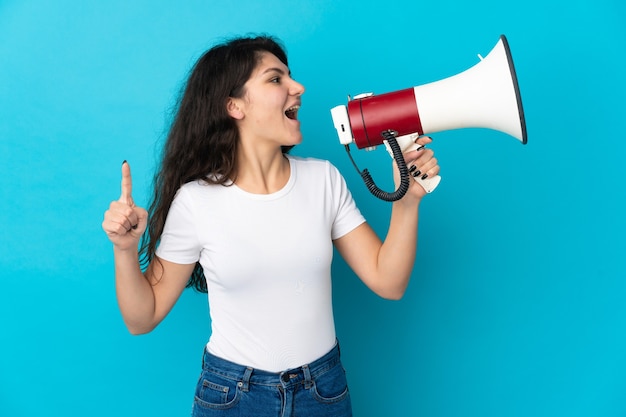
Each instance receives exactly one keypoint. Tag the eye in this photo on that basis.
(275, 80)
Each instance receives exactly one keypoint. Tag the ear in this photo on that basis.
(234, 109)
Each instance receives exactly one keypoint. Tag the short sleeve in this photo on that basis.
(348, 217)
(179, 241)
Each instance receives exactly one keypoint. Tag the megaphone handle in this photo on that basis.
(429, 184)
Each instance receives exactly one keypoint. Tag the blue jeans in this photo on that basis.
(226, 389)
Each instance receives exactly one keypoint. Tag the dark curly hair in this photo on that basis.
(203, 139)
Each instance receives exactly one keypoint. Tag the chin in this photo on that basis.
(293, 141)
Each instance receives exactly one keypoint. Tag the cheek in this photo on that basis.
(264, 107)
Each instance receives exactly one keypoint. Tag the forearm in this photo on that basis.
(135, 295)
(386, 267)
(397, 253)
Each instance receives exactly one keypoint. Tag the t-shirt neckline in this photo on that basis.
(275, 195)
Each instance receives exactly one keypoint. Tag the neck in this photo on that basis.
(260, 172)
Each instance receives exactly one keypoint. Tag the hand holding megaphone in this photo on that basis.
(484, 96)
(409, 143)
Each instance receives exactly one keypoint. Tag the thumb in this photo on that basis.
(142, 221)
(127, 185)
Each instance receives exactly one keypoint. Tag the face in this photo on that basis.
(268, 111)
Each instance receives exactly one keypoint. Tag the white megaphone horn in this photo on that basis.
(484, 96)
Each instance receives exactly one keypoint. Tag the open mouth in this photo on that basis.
(292, 112)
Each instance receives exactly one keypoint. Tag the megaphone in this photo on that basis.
(484, 96)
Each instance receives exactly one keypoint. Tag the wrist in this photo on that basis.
(410, 201)
(122, 252)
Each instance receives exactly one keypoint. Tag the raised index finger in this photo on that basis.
(127, 185)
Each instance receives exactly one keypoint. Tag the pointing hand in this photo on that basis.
(124, 222)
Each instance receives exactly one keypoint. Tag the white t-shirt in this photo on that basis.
(267, 261)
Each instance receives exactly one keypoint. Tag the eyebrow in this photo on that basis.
(275, 69)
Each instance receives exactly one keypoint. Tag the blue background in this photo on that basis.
(517, 303)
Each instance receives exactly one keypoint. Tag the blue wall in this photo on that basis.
(517, 303)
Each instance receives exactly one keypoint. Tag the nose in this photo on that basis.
(296, 88)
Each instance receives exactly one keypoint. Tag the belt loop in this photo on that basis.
(245, 381)
(307, 377)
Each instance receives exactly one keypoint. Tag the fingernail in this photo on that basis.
(412, 168)
(424, 176)
(417, 173)
(124, 162)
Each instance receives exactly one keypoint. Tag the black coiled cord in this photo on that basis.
(390, 137)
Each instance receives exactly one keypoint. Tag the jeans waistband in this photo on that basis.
(246, 375)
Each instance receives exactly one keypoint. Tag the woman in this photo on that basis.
(234, 214)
